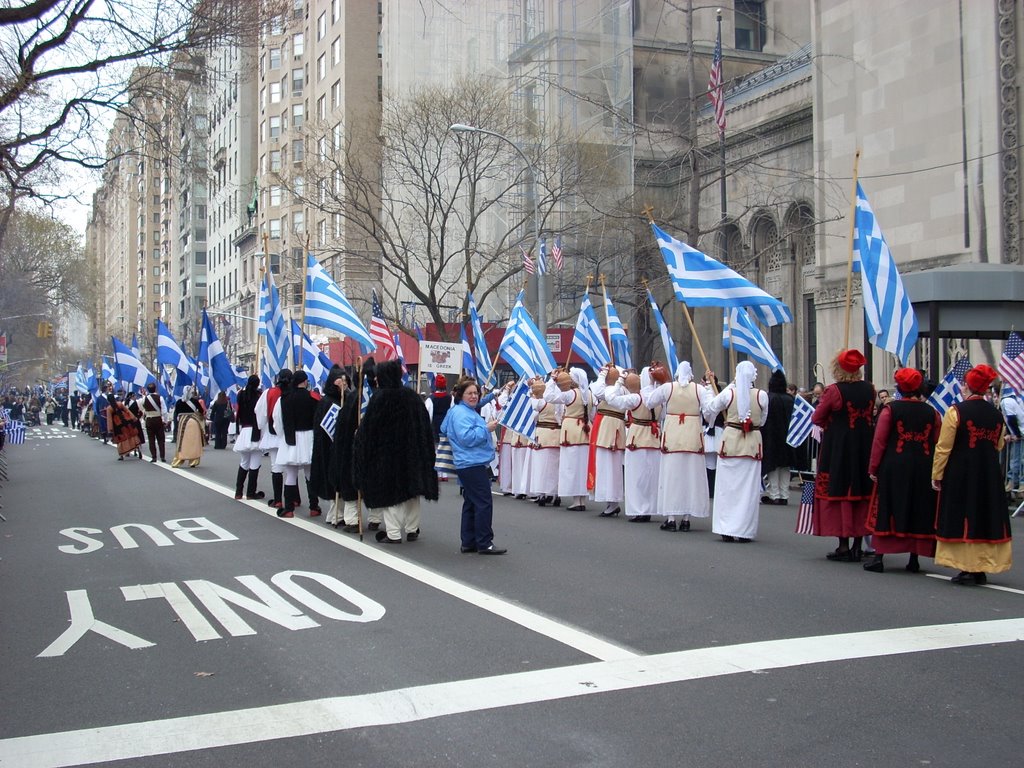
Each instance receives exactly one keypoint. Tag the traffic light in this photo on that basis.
(44, 330)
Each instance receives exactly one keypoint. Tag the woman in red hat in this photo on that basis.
(972, 525)
(901, 515)
(842, 488)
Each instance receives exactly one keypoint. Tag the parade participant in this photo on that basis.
(508, 437)
(682, 479)
(437, 406)
(154, 412)
(901, 514)
(247, 443)
(393, 455)
(569, 389)
(472, 449)
(712, 436)
(270, 440)
(972, 525)
(842, 487)
(191, 433)
(220, 420)
(321, 484)
(1013, 417)
(738, 477)
(341, 461)
(123, 427)
(131, 402)
(642, 442)
(607, 441)
(778, 454)
(293, 421)
(544, 461)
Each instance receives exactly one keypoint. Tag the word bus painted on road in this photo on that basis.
(190, 530)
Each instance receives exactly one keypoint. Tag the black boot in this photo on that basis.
(251, 492)
(711, 482)
(288, 508)
(240, 481)
(277, 483)
(314, 500)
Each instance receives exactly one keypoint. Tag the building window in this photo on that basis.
(298, 78)
(336, 52)
(298, 151)
(275, 229)
(275, 160)
(336, 95)
(298, 115)
(275, 93)
(298, 45)
(156, 271)
(200, 258)
(156, 254)
(335, 10)
(275, 195)
(298, 222)
(749, 20)
(321, 67)
(321, 26)
(156, 238)
(321, 108)
(275, 58)
(275, 126)
(156, 307)
(275, 263)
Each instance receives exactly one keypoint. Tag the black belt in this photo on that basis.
(613, 414)
(549, 425)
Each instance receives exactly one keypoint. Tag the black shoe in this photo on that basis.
(781, 502)
(728, 538)
(840, 556)
(520, 496)
(152, 461)
(556, 502)
(577, 508)
(980, 578)
(743, 540)
(856, 554)
(467, 550)
(382, 537)
(491, 550)
(966, 578)
(412, 535)
(373, 526)
(912, 565)
(351, 528)
(875, 565)
(611, 512)
(669, 525)
(767, 500)
(684, 526)
(640, 519)
(543, 501)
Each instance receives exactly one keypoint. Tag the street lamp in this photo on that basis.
(542, 313)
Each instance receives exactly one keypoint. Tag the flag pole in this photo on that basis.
(359, 414)
(732, 348)
(302, 320)
(607, 321)
(849, 262)
(264, 269)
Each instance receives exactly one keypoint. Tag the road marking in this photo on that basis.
(405, 705)
(574, 637)
(985, 586)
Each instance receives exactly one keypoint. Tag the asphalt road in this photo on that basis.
(147, 618)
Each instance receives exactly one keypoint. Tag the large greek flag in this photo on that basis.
(700, 281)
(588, 341)
(523, 346)
(211, 351)
(468, 363)
(518, 415)
(483, 356)
(128, 368)
(890, 319)
(671, 356)
(314, 361)
(617, 335)
(271, 325)
(169, 352)
(747, 338)
(327, 307)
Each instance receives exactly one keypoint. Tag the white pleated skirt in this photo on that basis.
(297, 455)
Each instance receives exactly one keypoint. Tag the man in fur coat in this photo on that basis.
(393, 455)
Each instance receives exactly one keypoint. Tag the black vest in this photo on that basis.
(440, 404)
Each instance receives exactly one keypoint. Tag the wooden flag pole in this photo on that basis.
(732, 348)
(302, 317)
(494, 363)
(607, 321)
(359, 414)
(849, 263)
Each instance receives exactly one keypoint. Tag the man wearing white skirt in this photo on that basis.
(270, 440)
(682, 480)
(642, 461)
(505, 444)
(738, 478)
(293, 420)
(544, 457)
(570, 389)
(607, 443)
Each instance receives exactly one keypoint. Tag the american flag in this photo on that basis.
(1011, 364)
(379, 331)
(805, 514)
(556, 253)
(527, 261)
(716, 93)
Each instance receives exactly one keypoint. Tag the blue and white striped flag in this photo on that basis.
(518, 415)
(314, 361)
(330, 420)
(419, 337)
(671, 356)
(15, 432)
(891, 322)
(367, 393)
(617, 335)
(80, 381)
(109, 374)
(211, 351)
(542, 256)
(523, 346)
(746, 338)
(327, 307)
(135, 346)
(700, 281)
(588, 341)
(272, 326)
(949, 392)
(266, 380)
(483, 356)
(468, 363)
(401, 359)
(129, 369)
(799, 422)
(169, 352)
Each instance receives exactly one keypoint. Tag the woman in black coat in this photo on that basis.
(777, 454)
(321, 483)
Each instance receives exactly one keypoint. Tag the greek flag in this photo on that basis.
(588, 341)
(542, 257)
(271, 325)
(523, 346)
(468, 364)
(365, 399)
(746, 338)
(401, 359)
(135, 347)
(330, 420)
(266, 380)
(890, 318)
(168, 352)
(80, 381)
(108, 370)
(617, 334)
(91, 383)
(327, 307)
(129, 369)
(314, 361)
(700, 281)
(949, 391)
(799, 422)
(15, 432)
(429, 376)
(212, 351)
(671, 356)
(483, 357)
(518, 415)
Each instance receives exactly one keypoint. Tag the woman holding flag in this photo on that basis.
(544, 461)
(570, 390)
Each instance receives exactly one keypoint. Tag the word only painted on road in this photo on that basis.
(190, 530)
(264, 602)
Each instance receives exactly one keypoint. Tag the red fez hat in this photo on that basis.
(440, 383)
(850, 360)
(908, 380)
(979, 377)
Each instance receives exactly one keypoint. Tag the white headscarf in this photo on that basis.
(684, 373)
(745, 375)
(645, 378)
(579, 376)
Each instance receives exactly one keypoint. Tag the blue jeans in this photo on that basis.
(1013, 463)
(477, 506)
